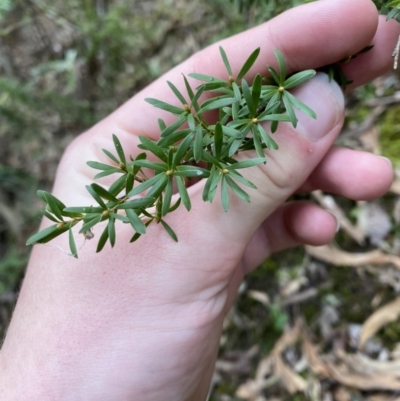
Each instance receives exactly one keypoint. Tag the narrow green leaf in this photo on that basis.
(248, 98)
(246, 163)
(96, 197)
(145, 185)
(119, 217)
(269, 142)
(104, 167)
(156, 166)
(161, 124)
(198, 144)
(282, 66)
(218, 140)
(104, 193)
(169, 230)
(102, 240)
(206, 78)
(84, 209)
(191, 122)
(191, 171)
(91, 223)
(274, 75)
(118, 148)
(107, 173)
(301, 106)
(40, 237)
(180, 183)
(118, 185)
(165, 106)
(276, 117)
(183, 147)
(153, 148)
(174, 126)
(224, 194)
(158, 187)
(137, 203)
(50, 216)
(257, 142)
(177, 93)
(256, 92)
(111, 231)
(216, 103)
(238, 177)
(136, 222)
(167, 197)
(72, 245)
(298, 79)
(248, 64)
(225, 60)
(236, 189)
(289, 109)
(111, 156)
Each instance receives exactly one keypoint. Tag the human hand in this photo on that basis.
(143, 321)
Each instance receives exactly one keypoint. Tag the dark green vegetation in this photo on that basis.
(66, 65)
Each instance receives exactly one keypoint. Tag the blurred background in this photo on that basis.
(310, 323)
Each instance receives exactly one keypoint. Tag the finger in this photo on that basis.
(368, 65)
(310, 36)
(351, 173)
(291, 225)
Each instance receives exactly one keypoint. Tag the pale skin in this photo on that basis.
(143, 321)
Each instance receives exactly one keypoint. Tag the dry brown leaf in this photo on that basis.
(316, 363)
(384, 315)
(328, 202)
(360, 382)
(335, 256)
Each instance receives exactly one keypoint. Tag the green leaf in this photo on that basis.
(50, 216)
(145, 185)
(240, 178)
(289, 109)
(165, 106)
(104, 193)
(180, 183)
(96, 197)
(236, 189)
(256, 92)
(111, 156)
(173, 127)
(206, 78)
(257, 142)
(218, 140)
(236, 91)
(129, 183)
(183, 147)
(246, 163)
(54, 204)
(282, 66)
(118, 148)
(137, 203)
(269, 142)
(156, 166)
(40, 237)
(216, 103)
(102, 240)
(136, 222)
(72, 245)
(173, 137)
(161, 124)
(191, 171)
(301, 106)
(84, 209)
(167, 197)
(118, 185)
(248, 98)
(298, 79)
(158, 187)
(91, 223)
(225, 60)
(177, 93)
(169, 230)
(111, 231)
(248, 64)
(153, 148)
(198, 144)
(224, 194)
(104, 167)
(274, 75)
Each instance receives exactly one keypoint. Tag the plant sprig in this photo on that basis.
(189, 148)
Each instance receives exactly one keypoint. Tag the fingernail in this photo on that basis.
(387, 159)
(326, 99)
(336, 218)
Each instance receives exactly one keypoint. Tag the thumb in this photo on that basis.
(300, 151)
